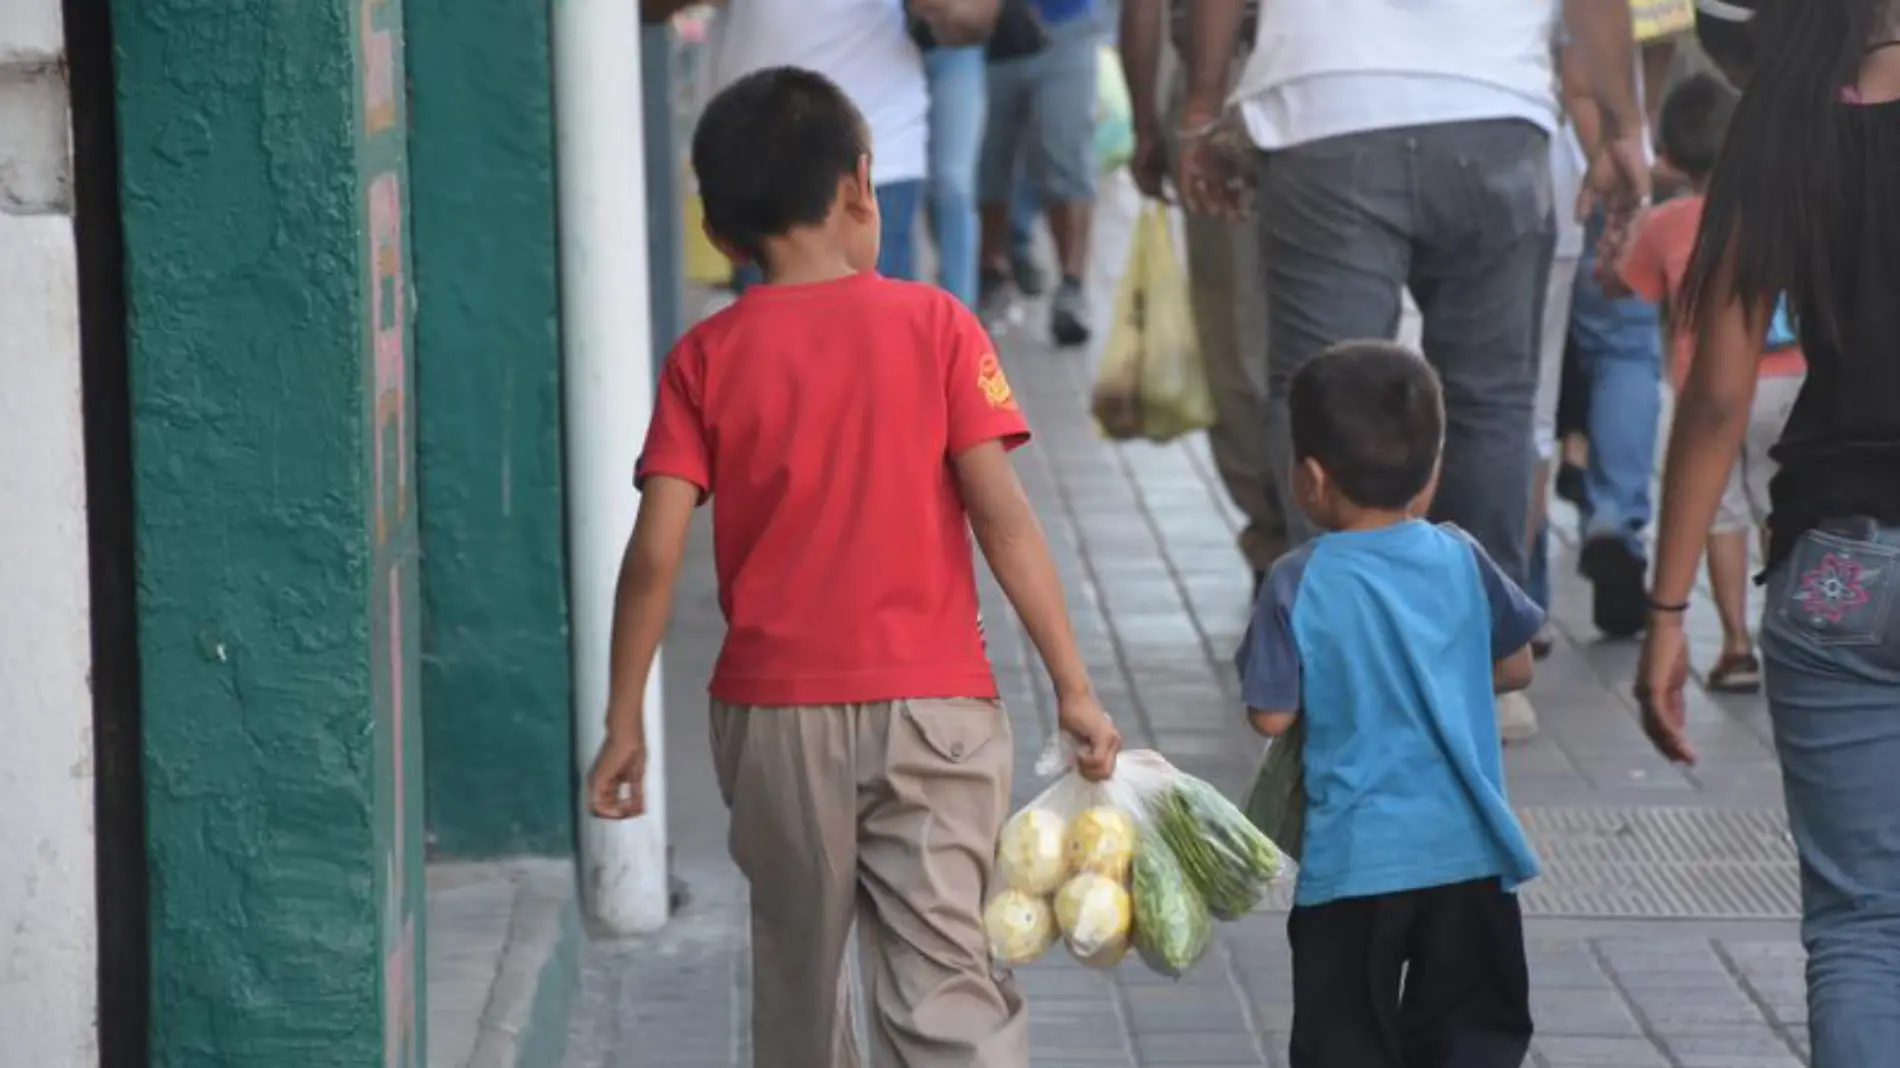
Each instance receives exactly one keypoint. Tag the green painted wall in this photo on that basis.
(495, 641)
(263, 197)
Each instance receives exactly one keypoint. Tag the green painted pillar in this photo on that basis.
(269, 319)
(500, 736)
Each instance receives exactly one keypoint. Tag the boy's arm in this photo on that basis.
(1641, 271)
(1269, 659)
(674, 474)
(1515, 620)
(984, 422)
(643, 602)
(1012, 541)
(1515, 672)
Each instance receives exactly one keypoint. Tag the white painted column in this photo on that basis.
(608, 386)
(48, 922)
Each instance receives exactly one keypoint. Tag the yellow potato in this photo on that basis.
(1020, 927)
(1094, 914)
(1030, 855)
(1102, 841)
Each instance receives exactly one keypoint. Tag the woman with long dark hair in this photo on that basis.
(1804, 202)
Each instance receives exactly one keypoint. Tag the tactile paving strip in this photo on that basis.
(1657, 863)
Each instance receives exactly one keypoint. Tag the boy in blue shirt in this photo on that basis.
(1391, 636)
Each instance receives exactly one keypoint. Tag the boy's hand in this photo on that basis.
(617, 786)
(1096, 739)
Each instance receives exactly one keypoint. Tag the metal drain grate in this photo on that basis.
(1656, 863)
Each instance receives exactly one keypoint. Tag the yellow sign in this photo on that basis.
(995, 387)
(1657, 20)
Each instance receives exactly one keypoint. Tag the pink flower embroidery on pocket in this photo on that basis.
(1833, 589)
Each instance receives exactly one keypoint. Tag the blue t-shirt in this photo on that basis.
(1781, 330)
(1385, 641)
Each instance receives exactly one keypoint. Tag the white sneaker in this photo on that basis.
(1517, 719)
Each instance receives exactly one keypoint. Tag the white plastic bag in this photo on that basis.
(1151, 382)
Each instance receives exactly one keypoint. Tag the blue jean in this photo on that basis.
(958, 105)
(1042, 119)
(1618, 342)
(896, 252)
(1831, 645)
(1024, 210)
(1459, 213)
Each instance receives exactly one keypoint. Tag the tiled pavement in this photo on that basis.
(1662, 933)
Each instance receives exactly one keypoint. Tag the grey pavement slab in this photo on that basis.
(1662, 934)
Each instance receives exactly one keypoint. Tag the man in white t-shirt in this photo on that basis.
(863, 45)
(1405, 146)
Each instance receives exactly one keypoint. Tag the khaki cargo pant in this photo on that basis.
(884, 815)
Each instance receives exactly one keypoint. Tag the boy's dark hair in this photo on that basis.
(1695, 117)
(769, 152)
(1372, 414)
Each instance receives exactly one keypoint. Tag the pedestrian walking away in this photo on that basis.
(1442, 186)
(1041, 130)
(1801, 202)
(1388, 637)
(1224, 270)
(855, 431)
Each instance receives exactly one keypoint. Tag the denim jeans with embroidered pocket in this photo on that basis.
(1831, 642)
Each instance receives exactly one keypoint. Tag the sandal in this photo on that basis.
(1735, 673)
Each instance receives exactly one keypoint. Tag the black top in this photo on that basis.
(1840, 453)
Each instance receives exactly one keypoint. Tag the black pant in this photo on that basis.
(1430, 978)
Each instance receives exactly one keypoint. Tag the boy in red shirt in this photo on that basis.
(1695, 118)
(851, 432)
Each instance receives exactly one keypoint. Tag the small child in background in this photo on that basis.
(1695, 120)
(854, 432)
(1389, 638)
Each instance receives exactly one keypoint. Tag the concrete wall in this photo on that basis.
(498, 735)
(268, 305)
(47, 919)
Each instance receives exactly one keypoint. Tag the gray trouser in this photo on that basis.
(1462, 215)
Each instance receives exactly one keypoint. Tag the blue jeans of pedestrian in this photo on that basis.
(897, 207)
(959, 102)
(1618, 342)
(1462, 215)
(1024, 210)
(1831, 646)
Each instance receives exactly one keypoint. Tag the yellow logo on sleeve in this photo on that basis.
(995, 387)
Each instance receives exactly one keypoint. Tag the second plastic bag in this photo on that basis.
(1151, 383)
(1277, 803)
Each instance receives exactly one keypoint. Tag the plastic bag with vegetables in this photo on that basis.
(1124, 876)
(1220, 850)
(1172, 924)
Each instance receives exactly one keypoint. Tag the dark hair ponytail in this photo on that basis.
(1772, 210)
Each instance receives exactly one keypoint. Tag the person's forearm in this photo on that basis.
(1141, 60)
(1019, 557)
(1605, 39)
(642, 603)
(1704, 440)
(1214, 26)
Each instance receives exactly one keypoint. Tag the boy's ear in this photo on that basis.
(1309, 481)
(860, 197)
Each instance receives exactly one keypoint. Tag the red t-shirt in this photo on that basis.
(1656, 264)
(821, 420)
